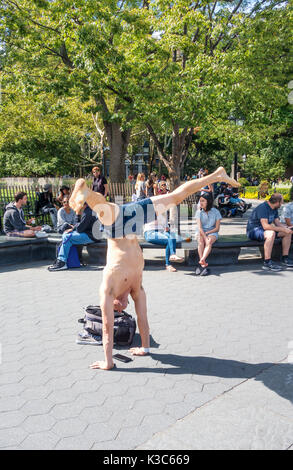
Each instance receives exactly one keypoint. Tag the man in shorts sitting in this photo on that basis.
(264, 225)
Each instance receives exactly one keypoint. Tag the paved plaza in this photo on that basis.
(218, 376)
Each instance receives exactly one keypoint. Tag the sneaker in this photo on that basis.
(287, 262)
(271, 266)
(58, 266)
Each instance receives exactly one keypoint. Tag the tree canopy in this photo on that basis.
(179, 68)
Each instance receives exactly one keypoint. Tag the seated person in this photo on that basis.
(287, 214)
(45, 204)
(66, 217)
(14, 221)
(264, 225)
(83, 233)
(233, 195)
(158, 233)
(208, 189)
(64, 192)
(208, 219)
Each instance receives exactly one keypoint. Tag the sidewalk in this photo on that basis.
(217, 376)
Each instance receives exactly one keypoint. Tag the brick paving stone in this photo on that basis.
(39, 423)
(40, 441)
(12, 436)
(100, 432)
(69, 427)
(37, 407)
(11, 419)
(75, 443)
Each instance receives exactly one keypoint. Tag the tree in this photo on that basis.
(179, 67)
(39, 137)
(216, 54)
(76, 49)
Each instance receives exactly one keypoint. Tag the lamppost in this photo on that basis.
(146, 152)
(239, 121)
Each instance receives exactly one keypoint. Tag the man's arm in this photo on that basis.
(277, 227)
(85, 222)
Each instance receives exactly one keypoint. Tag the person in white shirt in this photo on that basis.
(208, 219)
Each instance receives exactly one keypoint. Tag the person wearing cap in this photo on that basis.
(64, 193)
(45, 204)
(100, 184)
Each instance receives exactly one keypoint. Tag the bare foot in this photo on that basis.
(203, 263)
(102, 365)
(171, 269)
(176, 259)
(138, 352)
(79, 195)
(222, 177)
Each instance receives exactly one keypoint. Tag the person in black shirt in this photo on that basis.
(100, 184)
(83, 233)
(264, 225)
(46, 204)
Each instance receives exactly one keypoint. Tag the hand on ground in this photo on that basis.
(137, 352)
(102, 365)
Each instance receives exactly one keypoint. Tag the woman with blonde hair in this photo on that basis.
(140, 187)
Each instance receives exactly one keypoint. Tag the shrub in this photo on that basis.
(244, 182)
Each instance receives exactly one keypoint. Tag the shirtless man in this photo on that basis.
(123, 271)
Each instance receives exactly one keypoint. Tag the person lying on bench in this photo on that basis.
(14, 222)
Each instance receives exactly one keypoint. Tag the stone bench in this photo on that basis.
(225, 251)
(15, 250)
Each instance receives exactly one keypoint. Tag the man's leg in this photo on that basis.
(24, 234)
(286, 242)
(166, 201)
(269, 236)
(139, 299)
(69, 239)
(106, 301)
(53, 215)
(107, 212)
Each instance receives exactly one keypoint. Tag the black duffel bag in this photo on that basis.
(124, 325)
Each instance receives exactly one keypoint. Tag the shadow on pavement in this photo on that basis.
(280, 381)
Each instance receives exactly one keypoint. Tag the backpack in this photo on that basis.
(124, 325)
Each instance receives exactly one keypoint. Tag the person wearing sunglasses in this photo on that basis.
(66, 217)
(163, 188)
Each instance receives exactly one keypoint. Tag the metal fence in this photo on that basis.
(118, 192)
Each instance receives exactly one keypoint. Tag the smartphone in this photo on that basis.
(121, 358)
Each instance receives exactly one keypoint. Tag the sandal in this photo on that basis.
(171, 269)
(176, 259)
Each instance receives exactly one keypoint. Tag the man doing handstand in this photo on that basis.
(123, 271)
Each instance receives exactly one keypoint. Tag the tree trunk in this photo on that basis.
(118, 142)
